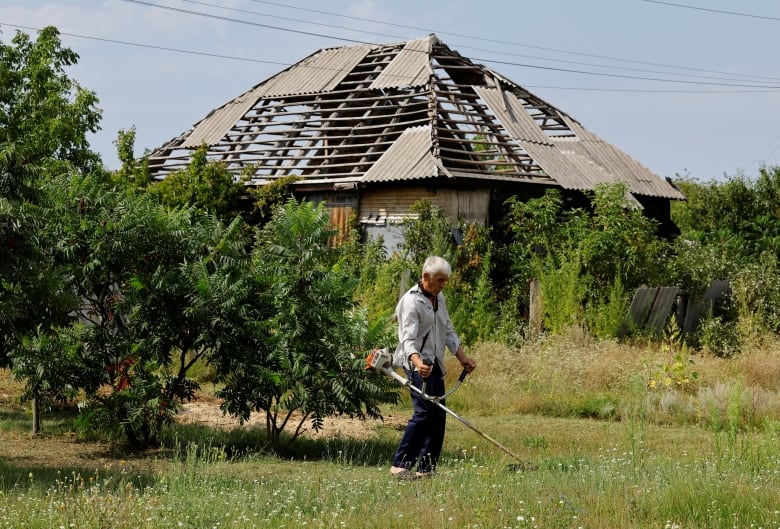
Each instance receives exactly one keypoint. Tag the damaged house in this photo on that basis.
(371, 129)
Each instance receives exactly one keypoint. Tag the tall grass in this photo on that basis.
(576, 375)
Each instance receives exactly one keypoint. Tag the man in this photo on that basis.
(424, 330)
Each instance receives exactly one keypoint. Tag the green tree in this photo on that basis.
(305, 362)
(428, 232)
(132, 170)
(536, 229)
(620, 241)
(731, 230)
(741, 216)
(45, 115)
(44, 119)
(205, 184)
(196, 303)
(268, 197)
(157, 293)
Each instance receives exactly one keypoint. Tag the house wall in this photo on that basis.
(383, 210)
(392, 205)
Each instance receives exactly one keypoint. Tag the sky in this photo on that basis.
(690, 88)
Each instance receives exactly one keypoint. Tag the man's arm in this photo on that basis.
(465, 360)
(408, 329)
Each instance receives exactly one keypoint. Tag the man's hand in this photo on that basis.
(466, 361)
(422, 367)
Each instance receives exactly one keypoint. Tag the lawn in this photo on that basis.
(638, 467)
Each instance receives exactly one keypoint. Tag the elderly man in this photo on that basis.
(424, 330)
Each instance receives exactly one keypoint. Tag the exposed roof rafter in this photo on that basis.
(406, 111)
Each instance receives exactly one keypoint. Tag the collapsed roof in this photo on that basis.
(410, 111)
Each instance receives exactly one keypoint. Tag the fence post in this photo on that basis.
(36, 414)
(535, 309)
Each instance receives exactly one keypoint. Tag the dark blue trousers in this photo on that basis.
(423, 438)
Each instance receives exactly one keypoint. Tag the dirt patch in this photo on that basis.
(64, 451)
(208, 413)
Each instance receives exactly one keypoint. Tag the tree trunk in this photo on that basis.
(36, 416)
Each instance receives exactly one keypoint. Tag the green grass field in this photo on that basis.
(600, 446)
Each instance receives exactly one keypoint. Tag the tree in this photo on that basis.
(45, 115)
(620, 242)
(197, 305)
(132, 170)
(306, 361)
(430, 233)
(204, 184)
(583, 257)
(44, 119)
(731, 230)
(158, 294)
(740, 215)
(268, 197)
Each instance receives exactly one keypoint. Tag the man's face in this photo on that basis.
(435, 283)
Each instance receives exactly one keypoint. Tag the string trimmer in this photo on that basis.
(381, 360)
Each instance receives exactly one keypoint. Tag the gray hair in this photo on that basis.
(436, 265)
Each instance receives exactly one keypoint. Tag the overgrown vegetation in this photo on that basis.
(121, 299)
(114, 288)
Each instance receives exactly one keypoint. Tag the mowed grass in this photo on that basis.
(598, 445)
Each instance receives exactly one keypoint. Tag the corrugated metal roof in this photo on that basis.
(213, 127)
(408, 158)
(330, 119)
(320, 72)
(575, 163)
(567, 167)
(640, 179)
(411, 67)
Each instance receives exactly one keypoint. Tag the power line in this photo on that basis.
(285, 64)
(235, 9)
(257, 24)
(763, 17)
(504, 42)
(651, 91)
(635, 77)
(487, 60)
(722, 76)
(767, 152)
(152, 46)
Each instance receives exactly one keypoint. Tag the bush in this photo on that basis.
(606, 316)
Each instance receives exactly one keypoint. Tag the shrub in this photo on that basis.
(606, 315)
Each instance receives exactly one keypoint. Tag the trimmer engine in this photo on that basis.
(381, 360)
